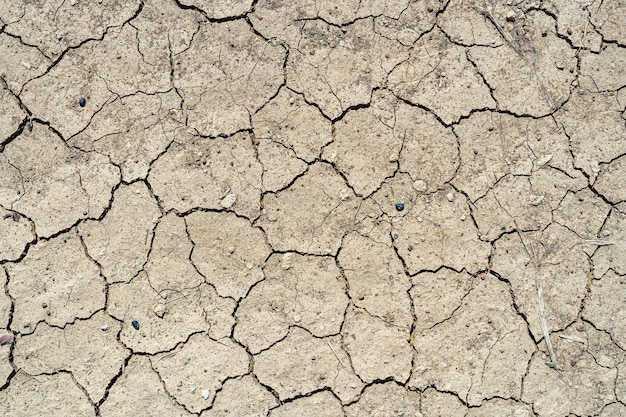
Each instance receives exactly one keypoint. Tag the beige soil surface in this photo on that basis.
(313, 208)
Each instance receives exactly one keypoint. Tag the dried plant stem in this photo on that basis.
(542, 317)
(505, 34)
(509, 39)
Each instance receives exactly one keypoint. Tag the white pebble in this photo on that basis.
(229, 200)
(104, 328)
(292, 100)
(420, 185)
(450, 197)
(205, 394)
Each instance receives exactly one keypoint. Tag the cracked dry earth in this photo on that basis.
(313, 208)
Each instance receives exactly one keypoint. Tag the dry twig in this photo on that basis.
(542, 318)
(509, 39)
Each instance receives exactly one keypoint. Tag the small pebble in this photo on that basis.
(136, 324)
(82, 102)
(450, 197)
(420, 185)
(104, 328)
(429, 7)
(205, 394)
(6, 339)
(443, 74)
(292, 100)
(159, 310)
(399, 206)
(229, 200)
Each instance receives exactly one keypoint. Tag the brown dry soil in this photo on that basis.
(217, 229)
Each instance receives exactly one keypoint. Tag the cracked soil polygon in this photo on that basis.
(594, 124)
(527, 202)
(554, 394)
(15, 233)
(611, 181)
(572, 22)
(63, 187)
(379, 349)
(278, 176)
(528, 82)
(20, 63)
(376, 279)
(52, 395)
(435, 404)
(365, 146)
(304, 291)
(56, 282)
(605, 71)
(198, 172)
(55, 26)
(185, 312)
(228, 251)
(97, 355)
(11, 115)
(120, 242)
(388, 399)
(612, 256)
(312, 215)
(466, 352)
(243, 397)
(436, 295)
(445, 82)
(188, 377)
(337, 68)
(296, 126)
(310, 207)
(606, 18)
(151, 396)
(563, 274)
(582, 212)
(169, 266)
(302, 363)
(226, 75)
(414, 20)
(132, 131)
(608, 291)
(437, 232)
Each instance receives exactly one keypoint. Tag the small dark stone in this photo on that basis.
(399, 206)
(136, 324)
(82, 101)
(410, 248)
